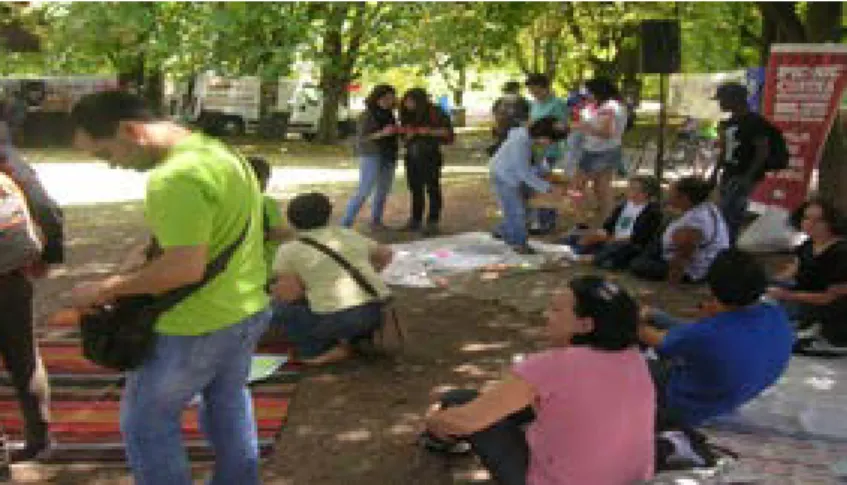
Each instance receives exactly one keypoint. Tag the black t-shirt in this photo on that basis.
(816, 273)
(740, 134)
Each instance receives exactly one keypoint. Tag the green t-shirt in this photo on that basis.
(557, 108)
(272, 220)
(202, 194)
(329, 287)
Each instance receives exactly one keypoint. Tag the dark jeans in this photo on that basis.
(423, 176)
(20, 355)
(502, 448)
(650, 267)
(315, 333)
(734, 198)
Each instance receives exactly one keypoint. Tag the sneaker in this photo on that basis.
(32, 452)
(429, 442)
(818, 347)
(412, 226)
(524, 250)
(431, 229)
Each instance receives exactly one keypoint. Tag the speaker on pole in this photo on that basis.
(660, 46)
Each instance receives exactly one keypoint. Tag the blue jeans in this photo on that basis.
(734, 198)
(376, 173)
(513, 227)
(216, 367)
(313, 333)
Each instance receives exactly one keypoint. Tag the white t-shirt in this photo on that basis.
(617, 110)
(626, 219)
(707, 219)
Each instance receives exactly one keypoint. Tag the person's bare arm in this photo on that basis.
(288, 287)
(685, 240)
(789, 272)
(508, 397)
(381, 257)
(651, 336)
(280, 233)
(135, 258)
(175, 267)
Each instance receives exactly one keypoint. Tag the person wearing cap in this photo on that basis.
(745, 145)
(580, 412)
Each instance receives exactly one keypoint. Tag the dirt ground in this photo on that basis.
(356, 423)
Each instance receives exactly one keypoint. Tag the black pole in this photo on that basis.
(663, 121)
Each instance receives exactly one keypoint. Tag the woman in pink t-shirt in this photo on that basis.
(579, 413)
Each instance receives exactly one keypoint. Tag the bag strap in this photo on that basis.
(354, 273)
(215, 267)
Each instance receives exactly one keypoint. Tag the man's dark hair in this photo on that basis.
(546, 128)
(512, 87)
(649, 185)
(736, 278)
(831, 215)
(260, 167)
(538, 79)
(99, 114)
(309, 211)
(696, 189)
(602, 89)
(614, 312)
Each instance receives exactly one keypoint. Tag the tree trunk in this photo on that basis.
(332, 79)
(328, 126)
(154, 90)
(459, 91)
(823, 24)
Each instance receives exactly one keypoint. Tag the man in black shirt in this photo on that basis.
(745, 145)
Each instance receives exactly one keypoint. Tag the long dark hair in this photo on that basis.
(419, 116)
(377, 93)
(603, 89)
(613, 310)
(831, 215)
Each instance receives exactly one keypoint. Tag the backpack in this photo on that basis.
(778, 156)
(43, 210)
(19, 241)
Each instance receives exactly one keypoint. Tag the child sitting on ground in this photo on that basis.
(739, 348)
(327, 308)
(627, 231)
(510, 171)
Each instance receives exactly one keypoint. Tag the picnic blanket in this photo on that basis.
(85, 404)
(419, 264)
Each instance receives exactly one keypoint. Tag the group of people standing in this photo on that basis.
(422, 128)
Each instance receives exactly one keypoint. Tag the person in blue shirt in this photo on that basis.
(511, 172)
(737, 350)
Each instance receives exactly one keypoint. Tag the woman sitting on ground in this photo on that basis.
(587, 404)
(324, 309)
(805, 287)
(691, 242)
(626, 232)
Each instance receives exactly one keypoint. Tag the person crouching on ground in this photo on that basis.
(581, 412)
(325, 309)
(510, 171)
(627, 231)
(737, 350)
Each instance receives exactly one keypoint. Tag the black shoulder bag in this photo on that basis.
(362, 281)
(121, 335)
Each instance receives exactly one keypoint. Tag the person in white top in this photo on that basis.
(603, 128)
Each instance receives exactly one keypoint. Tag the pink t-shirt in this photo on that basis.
(594, 417)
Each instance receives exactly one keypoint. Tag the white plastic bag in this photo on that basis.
(770, 233)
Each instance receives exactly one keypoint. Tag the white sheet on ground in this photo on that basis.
(416, 262)
(809, 400)
(771, 232)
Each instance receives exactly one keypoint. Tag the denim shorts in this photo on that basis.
(595, 162)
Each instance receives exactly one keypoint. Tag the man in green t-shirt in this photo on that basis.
(200, 197)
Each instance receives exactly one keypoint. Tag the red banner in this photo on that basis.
(803, 89)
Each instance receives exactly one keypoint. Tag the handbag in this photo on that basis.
(389, 311)
(121, 335)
